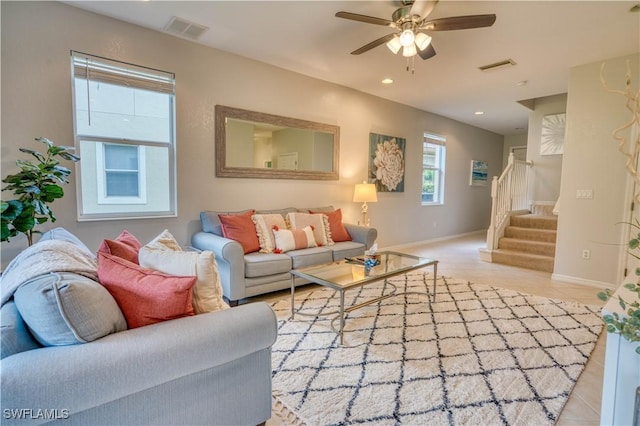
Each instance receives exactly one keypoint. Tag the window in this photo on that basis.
(433, 161)
(124, 121)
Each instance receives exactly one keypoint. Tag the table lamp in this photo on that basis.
(364, 193)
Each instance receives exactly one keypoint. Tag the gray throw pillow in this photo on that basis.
(14, 335)
(62, 308)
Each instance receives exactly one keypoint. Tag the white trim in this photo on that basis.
(101, 179)
(582, 281)
(434, 240)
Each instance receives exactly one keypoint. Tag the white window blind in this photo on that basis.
(124, 120)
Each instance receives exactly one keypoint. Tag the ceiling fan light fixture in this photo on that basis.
(407, 38)
(423, 41)
(409, 51)
(394, 45)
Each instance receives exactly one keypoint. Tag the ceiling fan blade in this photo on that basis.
(423, 8)
(459, 23)
(365, 18)
(373, 44)
(428, 52)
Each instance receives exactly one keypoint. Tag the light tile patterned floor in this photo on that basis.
(459, 258)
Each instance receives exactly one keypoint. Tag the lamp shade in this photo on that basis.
(409, 51)
(365, 193)
(422, 41)
(394, 44)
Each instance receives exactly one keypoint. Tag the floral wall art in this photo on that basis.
(386, 162)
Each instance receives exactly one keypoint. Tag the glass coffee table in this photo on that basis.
(352, 273)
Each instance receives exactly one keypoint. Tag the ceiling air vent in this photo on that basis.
(185, 28)
(496, 65)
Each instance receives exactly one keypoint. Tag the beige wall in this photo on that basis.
(592, 162)
(36, 100)
(544, 178)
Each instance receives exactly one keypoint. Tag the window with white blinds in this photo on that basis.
(433, 165)
(124, 121)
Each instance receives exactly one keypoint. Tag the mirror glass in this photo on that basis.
(255, 144)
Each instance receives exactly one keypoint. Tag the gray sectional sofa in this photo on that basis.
(246, 275)
(208, 369)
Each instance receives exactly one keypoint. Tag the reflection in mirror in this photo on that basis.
(254, 144)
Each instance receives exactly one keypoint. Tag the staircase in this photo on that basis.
(529, 241)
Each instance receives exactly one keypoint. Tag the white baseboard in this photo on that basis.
(582, 281)
(434, 240)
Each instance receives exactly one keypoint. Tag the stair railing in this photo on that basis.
(508, 193)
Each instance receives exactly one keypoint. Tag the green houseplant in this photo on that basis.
(628, 325)
(35, 186)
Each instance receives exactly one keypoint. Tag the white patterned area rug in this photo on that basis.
(479, 355)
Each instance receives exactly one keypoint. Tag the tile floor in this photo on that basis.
(459, 258)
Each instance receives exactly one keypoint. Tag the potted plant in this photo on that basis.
(627, 325)
(35, 186)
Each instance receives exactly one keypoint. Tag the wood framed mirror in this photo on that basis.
(253, 144)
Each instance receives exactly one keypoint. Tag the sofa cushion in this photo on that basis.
(347, 249)
(240, 227)
(263, 264)
(264, 224)
(210, 220)
(310, 256)
(145, 296)
(318, 222)
(282, 212)
(164, 254)
(125, 246)
(293, 239)
(63, 308)
(338, 231)
(14, 335)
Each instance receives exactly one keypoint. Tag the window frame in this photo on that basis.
(103, 196)
(440, 143)
(136, 77)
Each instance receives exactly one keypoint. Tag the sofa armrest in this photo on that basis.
(230, 259)
(362, 234)
(80, 377)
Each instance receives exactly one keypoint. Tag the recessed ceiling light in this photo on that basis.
(479, 113)
(522, 83)
(387, 80)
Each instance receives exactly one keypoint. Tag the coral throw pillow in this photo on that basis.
(287, 239)
(125, 246)
(145, 296)
(240, 227)
(338, 231)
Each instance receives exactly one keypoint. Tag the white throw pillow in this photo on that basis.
(164, 254)
(264, 228)
(318, 222)
(287, 239)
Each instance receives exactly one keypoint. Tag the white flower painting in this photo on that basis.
(386, 162)
(552, 138)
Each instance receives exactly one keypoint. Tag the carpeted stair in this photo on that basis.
(529, 242)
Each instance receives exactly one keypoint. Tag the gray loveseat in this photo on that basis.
(246, 275)
(208, 369)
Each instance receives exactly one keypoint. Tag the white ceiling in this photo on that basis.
(544, 38)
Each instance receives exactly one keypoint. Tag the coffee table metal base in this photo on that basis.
(341, 313)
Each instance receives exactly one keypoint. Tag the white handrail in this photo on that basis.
(508, 193)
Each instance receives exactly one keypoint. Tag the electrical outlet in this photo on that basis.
(586, 254)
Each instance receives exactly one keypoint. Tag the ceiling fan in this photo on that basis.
(412, 27)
